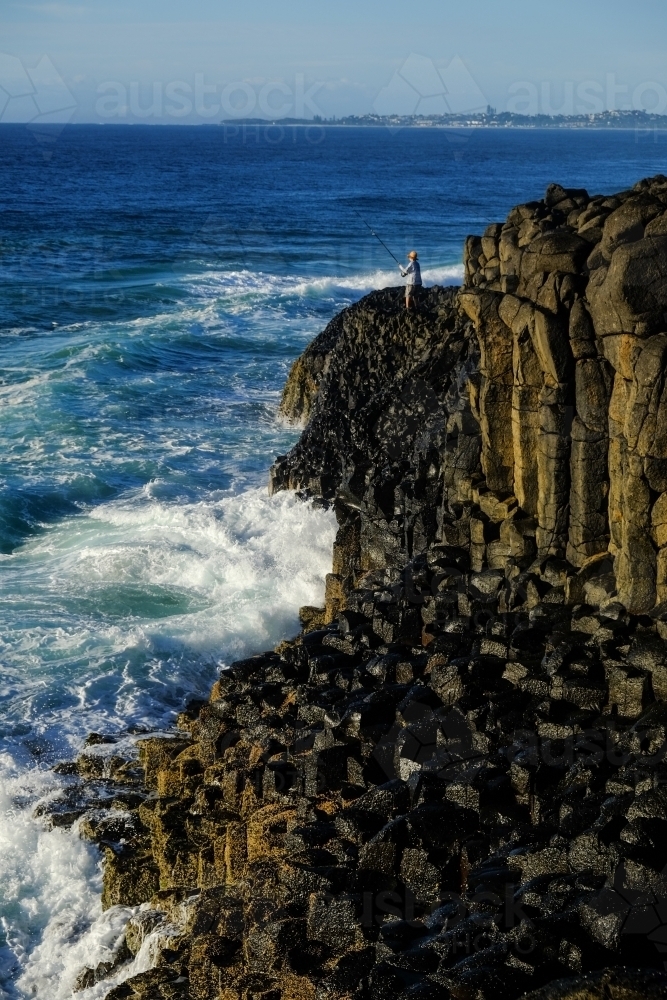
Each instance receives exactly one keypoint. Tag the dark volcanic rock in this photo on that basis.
(452, 783)
(383, 376)
(532, 432)
(439, 818)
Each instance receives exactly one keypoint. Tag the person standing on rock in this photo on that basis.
(414, 276)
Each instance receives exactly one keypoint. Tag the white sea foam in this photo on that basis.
(116, 616)
(50, 884)
(158, 596)
(152, 593)
(210, 296)
(376, 279)
(252, 285)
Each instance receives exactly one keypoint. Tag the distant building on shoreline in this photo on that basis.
(488, 119)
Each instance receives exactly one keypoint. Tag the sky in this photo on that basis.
(202, 61)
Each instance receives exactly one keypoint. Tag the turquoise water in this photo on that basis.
(155, 286)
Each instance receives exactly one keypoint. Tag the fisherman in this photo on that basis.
(414, 276)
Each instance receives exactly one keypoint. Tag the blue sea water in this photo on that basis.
(155, 286)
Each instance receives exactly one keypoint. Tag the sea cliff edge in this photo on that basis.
(452, 783)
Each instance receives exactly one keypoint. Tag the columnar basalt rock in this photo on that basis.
(563, 357)
(451, 784)
(428, 797)
(585, 278)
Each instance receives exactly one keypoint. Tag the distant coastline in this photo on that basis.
(505, 119)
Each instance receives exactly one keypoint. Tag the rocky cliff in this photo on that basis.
(554, 431)
(452, 783)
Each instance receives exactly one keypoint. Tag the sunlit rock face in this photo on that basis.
(547, 401)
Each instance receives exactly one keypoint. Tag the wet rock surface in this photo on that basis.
(453, 782)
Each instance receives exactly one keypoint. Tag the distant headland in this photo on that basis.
(488, 119)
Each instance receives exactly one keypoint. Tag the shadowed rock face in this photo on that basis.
(451, 784)
(303, 381)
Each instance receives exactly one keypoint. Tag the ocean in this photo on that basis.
(155, 286)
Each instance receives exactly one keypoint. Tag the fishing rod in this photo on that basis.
(378, 238)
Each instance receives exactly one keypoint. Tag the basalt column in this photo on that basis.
(523, 417)
(627, 297)
(537, 285)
